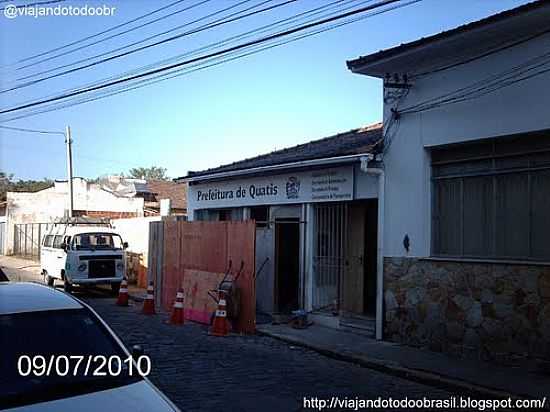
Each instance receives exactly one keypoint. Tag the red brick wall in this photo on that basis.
(105, 214)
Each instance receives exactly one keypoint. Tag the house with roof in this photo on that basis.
(316, 210)
(112, 197)
(466, 157)
(159, 190)
(429, 229)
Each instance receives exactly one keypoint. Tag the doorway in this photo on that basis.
(359, 285)
(287, 265)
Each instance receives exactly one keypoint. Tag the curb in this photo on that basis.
(394, 369)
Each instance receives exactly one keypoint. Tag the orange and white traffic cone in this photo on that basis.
(177, 317)
(123, 293)
(149, 302)
(220, 325)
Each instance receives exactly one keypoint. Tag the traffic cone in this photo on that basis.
(123, 293)
(220, 325)
(149, 302)
(177, 317)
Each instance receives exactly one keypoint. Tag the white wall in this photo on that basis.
(50, 204)
(135, 231)
(519, 108)
(365, 185)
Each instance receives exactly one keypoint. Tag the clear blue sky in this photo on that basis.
(282, 97)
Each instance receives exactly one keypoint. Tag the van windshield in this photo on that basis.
(93, 241)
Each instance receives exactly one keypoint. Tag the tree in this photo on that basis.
(149, 173)
(5, 181)
(7, 184)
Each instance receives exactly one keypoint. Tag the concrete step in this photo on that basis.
(360, 326)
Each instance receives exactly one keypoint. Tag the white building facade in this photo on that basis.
(316, 213)
(467, 164)
(48, 205)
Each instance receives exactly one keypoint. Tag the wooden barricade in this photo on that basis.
(196, 256)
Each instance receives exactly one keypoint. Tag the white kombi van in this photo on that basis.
(83, 255)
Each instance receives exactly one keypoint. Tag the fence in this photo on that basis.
(28, 239)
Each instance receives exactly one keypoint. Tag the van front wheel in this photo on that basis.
(67, 286)
(50, 281)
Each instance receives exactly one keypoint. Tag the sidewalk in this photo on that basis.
(21, 270)
(436, 369)
(18, 269)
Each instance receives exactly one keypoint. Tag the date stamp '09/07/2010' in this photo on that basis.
(83, 365)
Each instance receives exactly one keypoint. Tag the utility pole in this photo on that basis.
(69, 142)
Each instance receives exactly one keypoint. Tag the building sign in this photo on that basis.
(325, 185)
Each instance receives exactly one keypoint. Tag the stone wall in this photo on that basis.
(498, 312)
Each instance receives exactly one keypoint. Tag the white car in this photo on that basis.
(39, 321)
(83, 254)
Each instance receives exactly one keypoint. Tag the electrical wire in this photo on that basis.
(96, 34)
(201, 68)
(197, 4)
(76, 155)
(486, 90)
(215, 61)
(231, 40)
(143, 40)
(486, 85)
(20, 129)
(127, 53)
(218, 53)
(498, 49)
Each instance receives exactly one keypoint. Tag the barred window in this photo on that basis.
(491, 199)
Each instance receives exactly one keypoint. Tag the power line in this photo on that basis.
(229, 40)
(98, 34)
(193, 60)
(76, 155)
(485, 54)
(217, 23)
(144, 40)
(233, 39)
(493, 83)
(481, 92)
(199, 3)
(163, 77)
(186, 70)
(20, 129)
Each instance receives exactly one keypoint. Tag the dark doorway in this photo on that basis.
(287, 265)
(371, 246)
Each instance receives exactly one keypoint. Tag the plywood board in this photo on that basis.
(198, 306)
(193, 248)
(355, 270)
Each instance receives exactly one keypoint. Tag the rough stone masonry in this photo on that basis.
(490, 311)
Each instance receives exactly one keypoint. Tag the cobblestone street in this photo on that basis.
(201, 372)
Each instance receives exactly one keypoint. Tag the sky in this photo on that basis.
(284, 96)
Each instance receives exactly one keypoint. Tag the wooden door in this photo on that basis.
(354, 277)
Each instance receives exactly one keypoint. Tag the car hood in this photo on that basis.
(136, 397)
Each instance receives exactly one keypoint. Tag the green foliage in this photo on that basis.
(149, 173)
(8, 184)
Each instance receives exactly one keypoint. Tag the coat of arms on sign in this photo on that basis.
(292, 188)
